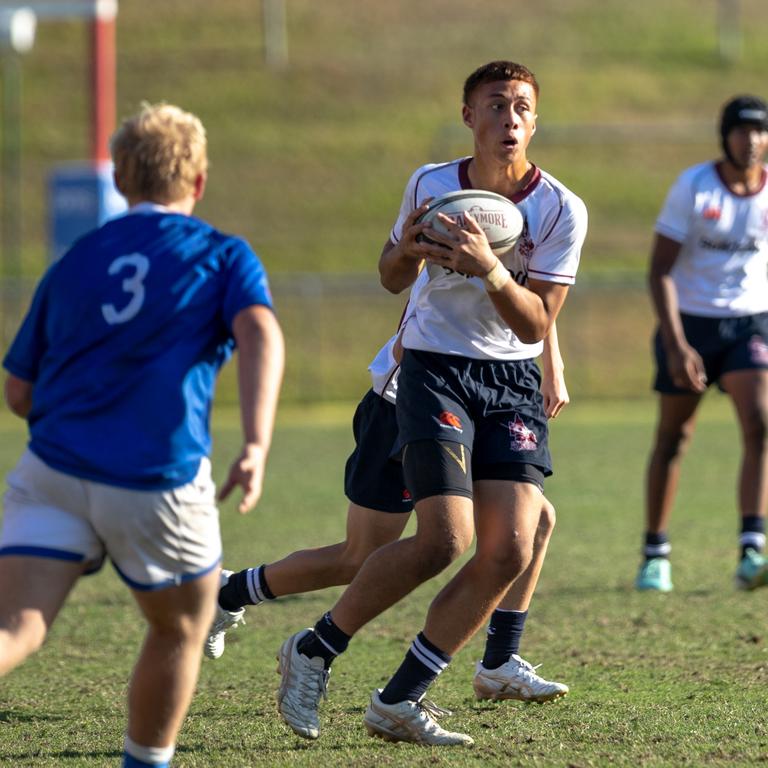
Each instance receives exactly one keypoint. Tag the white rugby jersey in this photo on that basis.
(722, 269)
(384, 368)
(453, 313)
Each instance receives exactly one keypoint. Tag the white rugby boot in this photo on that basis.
(412, 721)
(516, 679)
(222, 621)
(303, 683)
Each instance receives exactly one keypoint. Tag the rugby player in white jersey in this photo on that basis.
(114, 369)
(379, 508)
(709, 284)
(470, 414)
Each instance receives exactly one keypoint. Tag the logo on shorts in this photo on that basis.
(758, 350)
(460, 457)
(406, 495)
(523, 438)
(450, 420)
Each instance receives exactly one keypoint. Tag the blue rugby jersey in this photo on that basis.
(123, 341)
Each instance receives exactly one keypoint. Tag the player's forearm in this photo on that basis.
(18, 396)
(664, 297)
(397, 269)
(523, 311)
(261, 355)
(664, 292)
(551, 357)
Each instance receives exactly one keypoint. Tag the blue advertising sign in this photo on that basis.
(80, 198)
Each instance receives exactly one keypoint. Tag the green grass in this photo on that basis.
(656, 680)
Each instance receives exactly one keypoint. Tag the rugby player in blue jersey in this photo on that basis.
(114, 369)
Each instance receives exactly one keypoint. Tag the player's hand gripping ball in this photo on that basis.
(498, 216)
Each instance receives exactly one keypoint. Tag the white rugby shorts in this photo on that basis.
(155, 539)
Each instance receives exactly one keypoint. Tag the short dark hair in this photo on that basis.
(499, 70)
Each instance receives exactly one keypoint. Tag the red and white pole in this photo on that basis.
(103, 78)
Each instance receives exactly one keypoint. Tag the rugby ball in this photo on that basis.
(499, 217)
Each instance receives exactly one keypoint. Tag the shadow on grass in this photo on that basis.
(620, 589)
(16, 758)
(14, 716)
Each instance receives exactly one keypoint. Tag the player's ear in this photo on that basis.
(466, 115)
(535, 117)
(200, 181)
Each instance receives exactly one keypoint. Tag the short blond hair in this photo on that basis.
(159, 153)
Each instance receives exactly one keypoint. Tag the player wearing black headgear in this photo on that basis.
(742, 110)
(709, 283)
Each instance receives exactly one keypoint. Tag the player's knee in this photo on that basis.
(513, 563)
(755, 432)
(183, 620)
(504, 569)
(356, 549)
(508, 555)
(350, 562)
(546, 525)
(179, 630)
(672, 444)
(18, 641)
(435, 560)
(436, 552)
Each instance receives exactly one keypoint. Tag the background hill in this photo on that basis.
(309, 162)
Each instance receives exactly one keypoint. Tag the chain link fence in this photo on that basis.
(334, 325)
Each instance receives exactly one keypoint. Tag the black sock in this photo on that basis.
(656, 545)
(422, 664)
(326, 641)
(752, 534)
(503, 638)
(248, 587)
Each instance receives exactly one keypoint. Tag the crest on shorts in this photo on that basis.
(758, 350)
(450, 420)
(523, 438)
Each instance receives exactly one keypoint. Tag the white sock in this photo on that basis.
(151, 755)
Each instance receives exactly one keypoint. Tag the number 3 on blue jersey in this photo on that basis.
(133, 285)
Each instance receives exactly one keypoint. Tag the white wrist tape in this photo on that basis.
(497, 278)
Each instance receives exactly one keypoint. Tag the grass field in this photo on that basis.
(656, 680)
